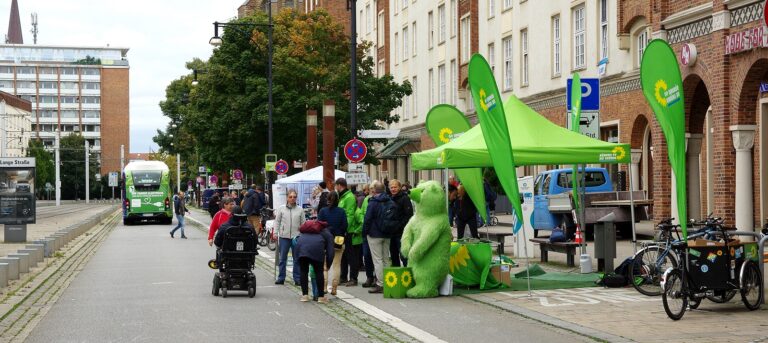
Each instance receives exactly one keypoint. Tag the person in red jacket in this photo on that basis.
(220, 218)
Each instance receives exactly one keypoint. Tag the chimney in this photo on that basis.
(14, 26)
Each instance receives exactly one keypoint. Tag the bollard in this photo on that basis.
(39, 251)
(13, 267)
(3, 274)
(47, 246)
(34, 256)
(23, 262)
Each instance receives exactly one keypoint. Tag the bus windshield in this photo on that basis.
(147, 180)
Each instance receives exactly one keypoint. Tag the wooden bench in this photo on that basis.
(498, 237)
(568, 248)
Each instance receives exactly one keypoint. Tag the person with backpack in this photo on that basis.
(336, 218)
(466, 214)
(213, 204)
(490, 200)
(379, 225)
(314, 247)
(404, 212)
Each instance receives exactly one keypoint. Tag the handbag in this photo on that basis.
(338, 242)
(557, 236)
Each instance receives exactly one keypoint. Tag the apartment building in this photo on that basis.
(251, 5)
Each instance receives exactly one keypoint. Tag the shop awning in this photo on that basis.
(399, 147)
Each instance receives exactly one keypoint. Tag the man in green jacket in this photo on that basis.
(367, 257)
(350, 261)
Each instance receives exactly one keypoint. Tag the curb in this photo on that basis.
(546, 319)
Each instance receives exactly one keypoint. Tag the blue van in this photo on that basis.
(559, 181)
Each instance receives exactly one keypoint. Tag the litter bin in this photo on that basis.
(605, 242)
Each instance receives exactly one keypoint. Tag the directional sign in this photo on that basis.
(237, 174)
(590, 94)
(355, 150)
(378, 133)
(113, 179)
(281, 167)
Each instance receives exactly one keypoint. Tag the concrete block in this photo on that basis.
(47, 246)
(3, 274)
(34, 256)
(23, 262)
(40, 250)
(13, 267)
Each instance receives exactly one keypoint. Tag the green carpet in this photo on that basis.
(551, 280)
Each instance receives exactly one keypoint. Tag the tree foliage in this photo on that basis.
(222, 121)
(72, 155)
(44, 167)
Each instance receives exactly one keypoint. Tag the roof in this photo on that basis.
(15, 101)
(396, 148)
(146, 165)
(314, 175)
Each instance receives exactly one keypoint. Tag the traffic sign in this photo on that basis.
(201, 169)
(213, 180)
(49, 186)
(269, 162)
(298, 164)
(378, 133)
(589, 123)
(237, 174)
(355, 150)
(355, 167)
(200, 180)
(113, 179)
(281, 167)
(356, 178)
(590, 94)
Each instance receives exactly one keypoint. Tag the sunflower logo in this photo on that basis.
(619, 152)
(390, 279)
(459, 259)
(482, 95)
(406, 278)
(660, 85)
(445, 135)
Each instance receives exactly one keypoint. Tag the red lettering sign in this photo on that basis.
(745, 40)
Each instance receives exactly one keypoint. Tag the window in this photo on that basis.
(25, 70)
(405, 3)
(26, 84)
(91, 100)
(69, 114)
(591, 179)
(470, 102)
(430, 30)
(414, 97)
(69, 85)
(524, 56)
(556, 45)
(441, 77)
(579, 37)
(90, 71)
(642, 42)
(492, 56)
(48, 99)
(48, 70)
(431, 88)
(406, 106)
(6, 83)
(91, 114)
(415, 39)
(465, 39)
(30, 98)
(48, 85)
(603, 29)
(368, 19)
(491, 8)
(6, 70)
(48, 113)
(397, 49)
(454, 82)
(380, 28)
(68, 100)
(91, 85)
(453, 18)
(406, 43)
(68, 71)
(507, 5)
(381, 69)
(506, 45)
(441, 24)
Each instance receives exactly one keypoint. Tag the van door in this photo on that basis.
(542, 218)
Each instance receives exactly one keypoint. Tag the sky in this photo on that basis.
(162, 36)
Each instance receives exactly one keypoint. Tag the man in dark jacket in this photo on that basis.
(314, 247)
(323, 201)
(378, 241)
(405, 210)
(213, 204)
(252, 205)
(179, 208)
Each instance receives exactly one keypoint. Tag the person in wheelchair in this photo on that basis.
(235, 255)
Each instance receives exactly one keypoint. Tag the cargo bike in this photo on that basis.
(716, 267)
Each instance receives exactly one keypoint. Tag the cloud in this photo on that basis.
(161, 35)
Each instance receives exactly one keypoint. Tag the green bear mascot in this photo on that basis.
(426, 241)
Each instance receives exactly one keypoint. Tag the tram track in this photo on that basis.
(50, 212)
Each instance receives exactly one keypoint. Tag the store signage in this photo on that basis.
(746, 40)
(688, 54)
(763, 87)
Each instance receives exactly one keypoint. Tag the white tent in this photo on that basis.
(302, 182)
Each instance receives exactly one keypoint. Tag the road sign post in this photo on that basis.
(590, 94)
(281, 167)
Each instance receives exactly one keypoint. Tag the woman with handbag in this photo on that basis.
(337, 225)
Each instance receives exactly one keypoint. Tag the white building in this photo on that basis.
(15, 125)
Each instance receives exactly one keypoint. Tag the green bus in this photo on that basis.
(147, 192)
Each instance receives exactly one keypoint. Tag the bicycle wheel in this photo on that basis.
(263, 238)
(722, 297)
(751, 286)
(272, 243)
(675, 302)
(647, 269)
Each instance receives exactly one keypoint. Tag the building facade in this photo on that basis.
(73, 89)
(15, 125)
(251, 5)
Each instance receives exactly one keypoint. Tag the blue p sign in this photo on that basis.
(590, 94)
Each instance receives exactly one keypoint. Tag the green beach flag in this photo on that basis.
(493, 123)
(663, 89)
(575, 123)
(444, 123)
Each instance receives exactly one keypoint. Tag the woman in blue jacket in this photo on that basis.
(337, 225)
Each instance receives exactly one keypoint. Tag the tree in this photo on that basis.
(72, 155)
(44, 165)
(225, 115)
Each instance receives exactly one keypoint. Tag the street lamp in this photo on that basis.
(198, 71)
(216, 41)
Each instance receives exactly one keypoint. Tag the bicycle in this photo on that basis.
(711, 269)
(650, 262)
(267, 237)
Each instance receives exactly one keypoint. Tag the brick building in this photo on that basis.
(251, 5)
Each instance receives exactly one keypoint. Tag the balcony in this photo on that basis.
(48, 77)
(48, 91)
(91, 106)
(69, 77)
(91, 120)
(74, 120)
(91, 77)
(32, 76)
(90, 92)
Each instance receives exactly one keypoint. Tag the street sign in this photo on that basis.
(356, 178)
(113, 179)
(589, 123)
(200, 180)
(355, 167)
(213, 180)
(269, 162)
(201, 169)
(237, 174)
(281, 167)
(378, 133)
(298, 165)
(48, 186)
(236, 186)
(281, 176)
(590, 94)
(355, 150)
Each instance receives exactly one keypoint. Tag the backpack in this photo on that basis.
(557, 236)
(612, 280)
(389, 220)
(623, 269)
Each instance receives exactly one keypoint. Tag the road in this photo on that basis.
(141, 285)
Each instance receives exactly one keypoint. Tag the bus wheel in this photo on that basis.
(127, 222)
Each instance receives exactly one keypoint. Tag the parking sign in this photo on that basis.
(590, 94)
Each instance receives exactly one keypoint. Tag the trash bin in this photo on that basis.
(605, 242)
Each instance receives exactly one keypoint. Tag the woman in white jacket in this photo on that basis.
(288, 219)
